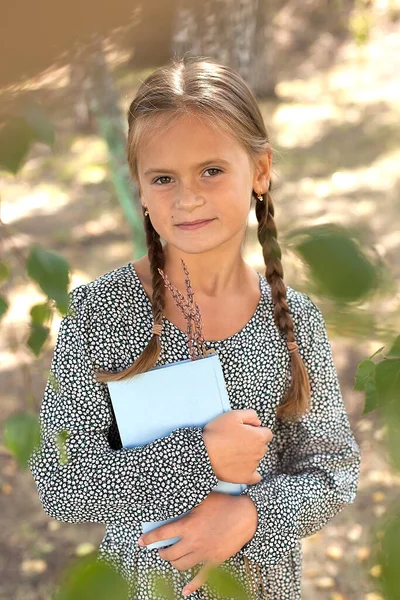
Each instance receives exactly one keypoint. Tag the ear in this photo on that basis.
(142, 200)
(140, 191)
(262, 172)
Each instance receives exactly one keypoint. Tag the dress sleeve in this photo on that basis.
(98, 483)
(319, 459)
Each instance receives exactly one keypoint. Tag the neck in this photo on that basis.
(210, 275)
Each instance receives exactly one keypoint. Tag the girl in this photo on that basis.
(200, 154)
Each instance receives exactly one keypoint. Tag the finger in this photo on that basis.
(255, 478)
(188, 561)
(267, 433)
(249, 417)
(199, 580)
(164, 532)
(173, 552)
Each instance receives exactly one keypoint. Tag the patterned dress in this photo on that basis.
(310, 471)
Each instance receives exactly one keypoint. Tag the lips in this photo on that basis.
(194, 224)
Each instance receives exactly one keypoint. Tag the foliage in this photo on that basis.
(339, 267)
(381, 384)
(91, 579)
(21, 435)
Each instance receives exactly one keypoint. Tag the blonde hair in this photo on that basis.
(218, 94)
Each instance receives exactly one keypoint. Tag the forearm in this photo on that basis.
(102, 485)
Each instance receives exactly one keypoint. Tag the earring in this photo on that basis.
(146, 212)
(259, 197)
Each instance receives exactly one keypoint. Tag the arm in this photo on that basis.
(319, 457)
(100, 484)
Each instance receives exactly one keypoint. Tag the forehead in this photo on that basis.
(186, 138)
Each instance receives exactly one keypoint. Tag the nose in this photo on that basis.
(188, 198)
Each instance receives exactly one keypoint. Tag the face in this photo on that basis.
(191, 171)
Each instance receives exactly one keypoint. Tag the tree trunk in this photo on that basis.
(238, 33)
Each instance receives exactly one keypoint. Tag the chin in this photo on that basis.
(194, 247)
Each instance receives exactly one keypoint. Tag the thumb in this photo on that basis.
(250, 417)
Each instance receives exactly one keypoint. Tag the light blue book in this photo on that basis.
(188, 393)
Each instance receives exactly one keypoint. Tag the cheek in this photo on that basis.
(161, 212)
(163, 225)
(237, 197)
(235, 210)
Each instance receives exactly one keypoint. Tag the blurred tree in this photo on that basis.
(98, 109)
(238, 33)
(261, 40)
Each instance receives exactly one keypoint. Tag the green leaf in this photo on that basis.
(37, 337)
(61, 438)
(387, 381)
(40, 313)
(4, 271)
(51, 272)
(164, 587)
(360, 26)
(3, 305)
(224, 582)
(16, 137)
(366, 370)
(394, 351)
(39, 122)
(91, 579)
(19, 132)
(388, 556)
(221, 580)
(337, 263)
(392, 420)
(371, 398)
(21, 435)
(53, 382)
(377, 352)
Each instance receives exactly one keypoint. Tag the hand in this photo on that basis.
(236, 443)
(211, 533)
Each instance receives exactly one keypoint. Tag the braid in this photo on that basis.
(157, 260)
(297, 399)
(150, 354)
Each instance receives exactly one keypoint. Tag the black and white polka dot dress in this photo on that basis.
(310, 471)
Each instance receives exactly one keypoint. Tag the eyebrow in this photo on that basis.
(202, 164)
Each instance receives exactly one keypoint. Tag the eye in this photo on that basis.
(162, 177)
(168, 177)
(213, 169)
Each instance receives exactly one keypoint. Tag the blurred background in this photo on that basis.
(326, 76)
